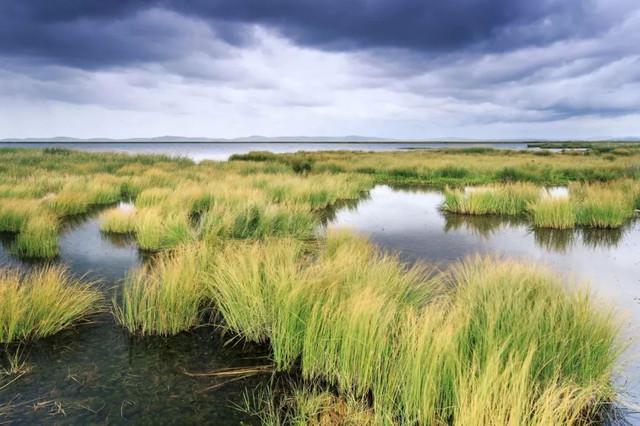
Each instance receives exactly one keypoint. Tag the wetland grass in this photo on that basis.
(43, 302)
(38, 237)
(257, 221)
(158, 230)
(15, 212)
(600, 206)
(425, 345)
(164, 298)
(508, 199)
(485, 341)
(118, 220)
(550, 212)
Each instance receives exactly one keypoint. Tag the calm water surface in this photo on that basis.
(97, 374)
(222, 151)
(410, 222)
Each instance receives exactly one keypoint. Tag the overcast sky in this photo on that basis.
(392, 68)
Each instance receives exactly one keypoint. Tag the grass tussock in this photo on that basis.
(426, 346)
(550, 212)
(158, 230)
(508, 199)
(38, 237)
(257, 221)
(43, 302)
(118, 220)
(601, 206)
(15, 212)
(164, 298)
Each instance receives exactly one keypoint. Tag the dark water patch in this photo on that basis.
(98, 374)
(411, 223)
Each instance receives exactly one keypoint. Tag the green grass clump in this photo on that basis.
(498, 339)
(158, 230)
(38, 237)
(550, 212)
(164, 298)
(603, 206)
(153, 197)
(118, 220)
(70, 202)
(258, 221)
(42, 303)
(508, 199)
(15, 212)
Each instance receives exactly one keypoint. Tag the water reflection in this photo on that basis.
(98, 374)
(481, 226)
(411, 223)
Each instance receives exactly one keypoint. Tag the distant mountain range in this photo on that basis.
(293, 139)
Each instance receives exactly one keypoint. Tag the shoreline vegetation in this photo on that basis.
(239, 245)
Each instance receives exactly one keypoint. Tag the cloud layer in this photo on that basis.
(402, 68)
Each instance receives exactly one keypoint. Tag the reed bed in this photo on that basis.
(165, 298)
(43, 302)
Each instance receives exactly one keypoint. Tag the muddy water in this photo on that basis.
(97, 374)
(411, 223)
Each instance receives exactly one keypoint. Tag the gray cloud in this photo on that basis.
(409, 68)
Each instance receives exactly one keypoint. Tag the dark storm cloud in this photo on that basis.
(396, 67)
(95, 33)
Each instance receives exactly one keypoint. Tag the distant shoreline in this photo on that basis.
(345, 142)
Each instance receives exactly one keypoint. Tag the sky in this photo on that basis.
(411, 69)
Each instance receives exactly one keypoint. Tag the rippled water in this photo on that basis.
(411, 223)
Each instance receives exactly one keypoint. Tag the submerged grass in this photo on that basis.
(43, 302)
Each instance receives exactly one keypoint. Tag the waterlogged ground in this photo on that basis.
(608, 261)
(97, 374)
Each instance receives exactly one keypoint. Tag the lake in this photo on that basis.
(220, 151)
